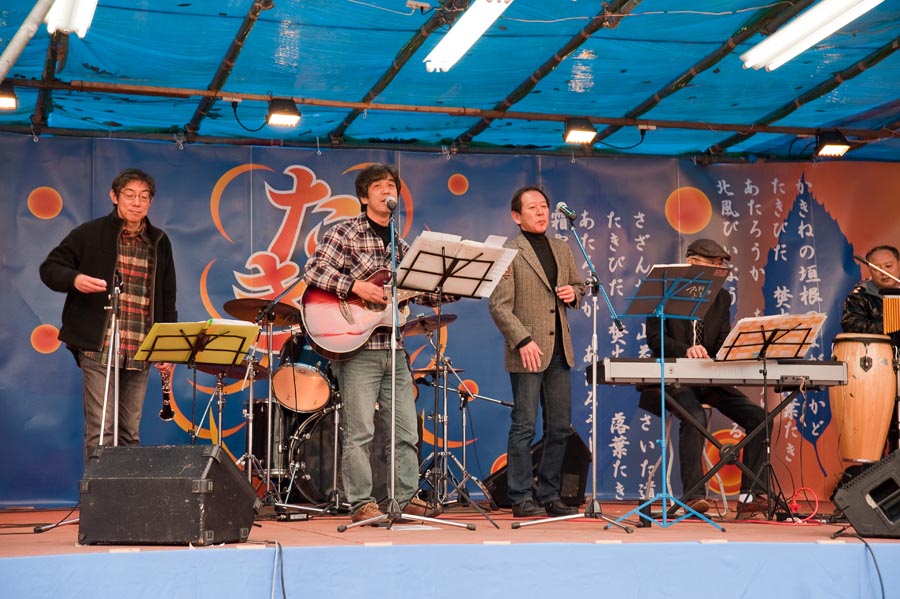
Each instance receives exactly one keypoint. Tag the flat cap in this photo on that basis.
(707, 248)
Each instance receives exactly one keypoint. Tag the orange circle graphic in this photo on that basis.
(688, 210)
(44, 202)
(458, 184)
(44, 338)
(729, 474)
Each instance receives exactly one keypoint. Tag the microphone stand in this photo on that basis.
(392, 513)
(592, 509)
(267, 313)
(112, 361)
(112, 364)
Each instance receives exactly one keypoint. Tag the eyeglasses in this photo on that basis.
(130, 195)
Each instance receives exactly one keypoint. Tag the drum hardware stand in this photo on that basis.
(249, 461)
(267, 315)
(439, 476)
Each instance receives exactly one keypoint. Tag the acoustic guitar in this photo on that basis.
(338, 328)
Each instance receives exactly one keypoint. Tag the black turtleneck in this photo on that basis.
(383, 231)
(541, 246)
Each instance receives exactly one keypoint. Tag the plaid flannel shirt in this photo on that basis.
(351, 250)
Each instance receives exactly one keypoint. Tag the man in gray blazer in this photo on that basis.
(529, 307)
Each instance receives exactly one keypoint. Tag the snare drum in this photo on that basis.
(861, 409)
(302, 382)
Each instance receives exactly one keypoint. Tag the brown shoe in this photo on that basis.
(745, 509)
(418, 507)
(698, 504)
(366, 512)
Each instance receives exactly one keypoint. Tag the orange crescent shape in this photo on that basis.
(204, 294)
(429, 438)
(215, 198)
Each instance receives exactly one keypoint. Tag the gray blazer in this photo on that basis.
(524, 303)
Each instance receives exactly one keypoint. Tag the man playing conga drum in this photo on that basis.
(863, 313)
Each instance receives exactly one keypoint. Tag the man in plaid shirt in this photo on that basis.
(124, 249)
(348, 256)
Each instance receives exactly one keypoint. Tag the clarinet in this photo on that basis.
(166, 413)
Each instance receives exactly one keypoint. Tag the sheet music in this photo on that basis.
(789, 336)
(475, 268)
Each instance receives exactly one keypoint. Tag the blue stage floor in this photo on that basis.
(560, 560)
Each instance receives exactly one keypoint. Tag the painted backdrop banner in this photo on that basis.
(244, 221)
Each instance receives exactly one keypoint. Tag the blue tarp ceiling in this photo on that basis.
(657, 77)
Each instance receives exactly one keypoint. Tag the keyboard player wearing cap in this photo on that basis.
(701, 340)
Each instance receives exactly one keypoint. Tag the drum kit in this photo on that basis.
(293, 440)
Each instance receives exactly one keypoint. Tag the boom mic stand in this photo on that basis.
(592, 508)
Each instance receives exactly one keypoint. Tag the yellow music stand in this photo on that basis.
(217, 341)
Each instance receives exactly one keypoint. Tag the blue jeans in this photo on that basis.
(552, 389)
(365, 384)
(132, 389)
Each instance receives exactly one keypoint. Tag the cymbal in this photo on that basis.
(426, 324)
(248, 308)
(234, 372)
(431, 370)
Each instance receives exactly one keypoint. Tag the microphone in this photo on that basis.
(391, 202)
(566, 211)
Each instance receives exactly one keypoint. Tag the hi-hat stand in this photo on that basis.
(440, 475)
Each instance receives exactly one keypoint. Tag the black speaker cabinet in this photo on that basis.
(871, 501)
(165, 495)
(574, 473)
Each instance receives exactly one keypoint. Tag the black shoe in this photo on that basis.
(528, 509)
(558, 508)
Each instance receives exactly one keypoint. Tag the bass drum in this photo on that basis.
(312, 451)
(861, 409)
(283, 422)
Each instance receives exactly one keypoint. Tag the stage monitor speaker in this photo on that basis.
(574, 473)
(164, 495)
(871, 501)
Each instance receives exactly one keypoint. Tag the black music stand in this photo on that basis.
(446, 264)
(681, 291)
(777, 336)
(213, 342)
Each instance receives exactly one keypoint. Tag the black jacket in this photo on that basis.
(864, 312)
(91, 249)
(679, 336)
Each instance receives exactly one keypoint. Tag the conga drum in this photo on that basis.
(861, 410)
